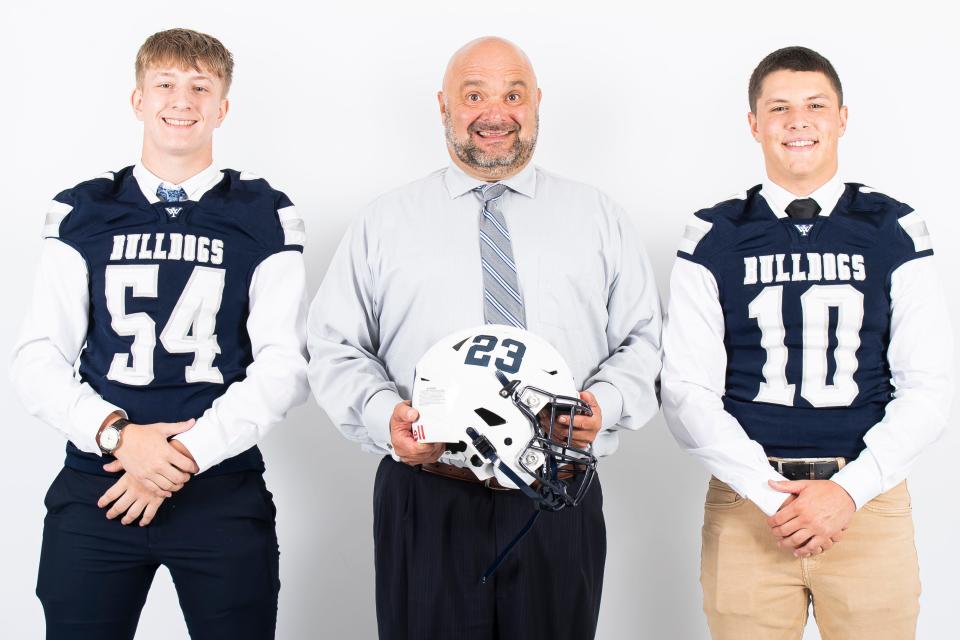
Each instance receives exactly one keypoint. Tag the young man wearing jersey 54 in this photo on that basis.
(179, 287)
(808, 362)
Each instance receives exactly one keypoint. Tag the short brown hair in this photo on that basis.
(791, 59)
(188, 50)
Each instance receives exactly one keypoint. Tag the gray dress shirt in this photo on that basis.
(408, 273)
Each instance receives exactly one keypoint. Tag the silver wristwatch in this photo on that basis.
(109, 437)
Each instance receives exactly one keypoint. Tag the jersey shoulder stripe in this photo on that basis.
(284, 217)
(910, 230)
(56, 212)
(64, 202)
(916, 228)
(701, 225)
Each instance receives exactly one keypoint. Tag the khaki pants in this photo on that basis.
(865, 587)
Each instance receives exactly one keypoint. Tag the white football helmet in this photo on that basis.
(493, 393)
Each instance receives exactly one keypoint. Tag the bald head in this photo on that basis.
(485, 54)
(489, 105)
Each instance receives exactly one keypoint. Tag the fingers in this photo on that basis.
(789, 486)
(586, 423)
(150, 511)
(174, 472)
(407, 448)
(169, 429)
(131, 499)
(121, 505)
(403, 416)
(787, 528)
(581, 439)
(161, 481)
(422, 453)
(169, 479)
(154, 488)
(815, 546)
(134, 511)
(785, 514)
(590, 399)
(113, 467)
(114, 492)
(796, 540)
(181, 462)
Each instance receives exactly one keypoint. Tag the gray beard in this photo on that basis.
(501, 165)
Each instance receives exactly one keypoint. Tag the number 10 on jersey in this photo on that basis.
(816, 302)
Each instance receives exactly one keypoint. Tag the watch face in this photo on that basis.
(109, 438)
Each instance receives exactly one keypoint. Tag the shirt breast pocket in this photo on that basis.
(572, 292)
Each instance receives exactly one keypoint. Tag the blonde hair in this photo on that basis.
(188, 50)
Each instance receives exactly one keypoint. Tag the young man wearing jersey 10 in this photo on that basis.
(180, 289)
(807, 364)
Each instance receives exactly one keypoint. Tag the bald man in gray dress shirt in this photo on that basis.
(407, 273)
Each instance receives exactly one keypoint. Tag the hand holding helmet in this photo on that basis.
(405, 446)
(585, 426)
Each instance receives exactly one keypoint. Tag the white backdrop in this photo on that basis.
(336, 105)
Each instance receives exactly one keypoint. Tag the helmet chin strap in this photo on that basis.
(489, 452)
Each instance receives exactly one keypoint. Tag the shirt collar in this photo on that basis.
(459, 183)
(826, 196)
(195, 186)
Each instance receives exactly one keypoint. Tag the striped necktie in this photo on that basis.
(502, 302)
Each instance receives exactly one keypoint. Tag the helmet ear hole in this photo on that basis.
(457, 447)
(491, 418)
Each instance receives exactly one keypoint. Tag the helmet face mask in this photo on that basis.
(494, 395)
(566, 471)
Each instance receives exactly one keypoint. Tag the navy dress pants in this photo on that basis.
(434, 538)
(216, 536)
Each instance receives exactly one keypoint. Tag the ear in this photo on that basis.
(222, 111)
(136, 101)
(539, 95)
(843, 120)
(754, 125)
(443, 103)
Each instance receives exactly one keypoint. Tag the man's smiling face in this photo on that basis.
(179, 108)
(798, 120)
(489, 105)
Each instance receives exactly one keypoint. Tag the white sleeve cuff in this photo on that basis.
(768, 499)
(86, 418)
(610, 401)
(376, 416)
(861, 478)
(204, 442)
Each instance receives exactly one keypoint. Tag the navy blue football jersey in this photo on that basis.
(169, 293)
(806, 306)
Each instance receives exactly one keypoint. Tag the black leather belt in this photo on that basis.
(807, 469)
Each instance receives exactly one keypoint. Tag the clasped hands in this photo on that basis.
(154, 468)
(813, 518)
